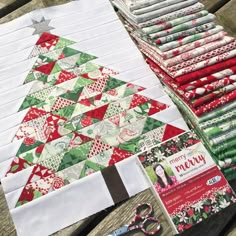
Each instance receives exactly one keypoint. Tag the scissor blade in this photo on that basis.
(124, 229)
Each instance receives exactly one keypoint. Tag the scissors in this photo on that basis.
(140, 221)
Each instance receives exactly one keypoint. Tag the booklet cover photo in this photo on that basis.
(186, 181)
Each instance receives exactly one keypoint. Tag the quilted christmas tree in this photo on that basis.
(80, 119)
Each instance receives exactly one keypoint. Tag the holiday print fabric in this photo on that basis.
(195, 59)
(167, 164)
(80, 119)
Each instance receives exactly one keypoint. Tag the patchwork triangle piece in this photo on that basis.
(47, 68)
(48, 42)
(81, 120)
(65, 76)
(171, 131)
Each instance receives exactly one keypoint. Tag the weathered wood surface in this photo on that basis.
(221, 224)
(226, 17)
(34, 4)
(209, 3)
(6, 224)
(124, 213)
(5, 3)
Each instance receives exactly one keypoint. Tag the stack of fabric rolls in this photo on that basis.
(196, 60)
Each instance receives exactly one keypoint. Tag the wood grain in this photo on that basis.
(221, 224)
(124, 213)
(4, 3)
(34, 4)
(209, 3)
(6, 223)
(226, 16)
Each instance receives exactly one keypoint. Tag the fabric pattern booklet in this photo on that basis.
(187, 182)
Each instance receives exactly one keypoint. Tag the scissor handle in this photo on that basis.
(139, 218)
(141, 207)
(147, 222)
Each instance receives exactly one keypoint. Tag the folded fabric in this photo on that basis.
(213, 95)
(208, 70)
(203, 60)
(173, 15)
(209, 79)
(224, 118)
(156, 6)
(213, 35)
(220, 128)
(218, 112)
(206, 89)
(134, 5)
(175, 22)
(180, 35)
(200, 50)
(228, 52)
(154, 14)
(188, 39)
(180, 29)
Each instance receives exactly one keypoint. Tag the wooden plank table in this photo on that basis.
(114, 217)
